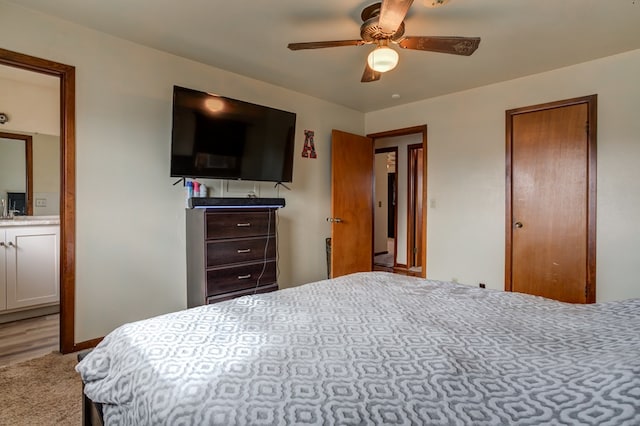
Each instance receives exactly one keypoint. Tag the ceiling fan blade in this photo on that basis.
(370, 75)
(323, 44)
(392, 13)
(455, 45)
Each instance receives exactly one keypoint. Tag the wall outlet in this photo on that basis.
(41, 202)
(482, 285)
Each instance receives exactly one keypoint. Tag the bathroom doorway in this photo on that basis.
(64, 201)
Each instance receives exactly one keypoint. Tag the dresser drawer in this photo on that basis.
(222, 252)
(239, 224)
(234, 278)
(229, 296)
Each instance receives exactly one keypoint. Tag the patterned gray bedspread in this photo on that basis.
(374, 348)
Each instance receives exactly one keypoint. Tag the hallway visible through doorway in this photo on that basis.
(385, 260)
(400, 191)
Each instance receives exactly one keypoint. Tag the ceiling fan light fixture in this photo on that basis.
(383, 59)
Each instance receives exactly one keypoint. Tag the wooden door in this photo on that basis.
(352, 165)
(551, 200)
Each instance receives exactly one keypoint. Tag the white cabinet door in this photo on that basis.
(3, 271)
(32, 266)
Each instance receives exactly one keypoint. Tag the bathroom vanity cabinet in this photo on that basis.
(29, 265)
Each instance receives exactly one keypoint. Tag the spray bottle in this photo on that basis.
(189, 187)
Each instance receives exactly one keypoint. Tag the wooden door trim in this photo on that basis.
(28, 152)
(422, 129)
(395, 207)
(592, 106)
(66, 74)
(411, 205)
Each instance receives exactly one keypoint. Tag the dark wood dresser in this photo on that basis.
(231, 252)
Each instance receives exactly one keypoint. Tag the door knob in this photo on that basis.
(334, 219)
(518, 225)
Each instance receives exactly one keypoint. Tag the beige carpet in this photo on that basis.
(41, 391)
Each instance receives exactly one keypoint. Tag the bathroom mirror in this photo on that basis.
(16, 173)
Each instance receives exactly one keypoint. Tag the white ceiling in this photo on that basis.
(519, 37)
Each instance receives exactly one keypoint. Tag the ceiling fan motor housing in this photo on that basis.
(370, 30)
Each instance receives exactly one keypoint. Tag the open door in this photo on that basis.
(352, 160)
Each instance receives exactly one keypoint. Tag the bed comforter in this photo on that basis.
(374, 348)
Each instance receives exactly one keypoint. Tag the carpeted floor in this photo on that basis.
(41, 391)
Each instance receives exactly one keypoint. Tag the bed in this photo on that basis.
(373, 348)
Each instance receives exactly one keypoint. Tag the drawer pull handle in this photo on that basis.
(244, 277)
(243, 225)
(244, 251)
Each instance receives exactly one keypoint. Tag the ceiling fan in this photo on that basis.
(383, 24)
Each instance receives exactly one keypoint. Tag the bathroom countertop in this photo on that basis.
(30, 220)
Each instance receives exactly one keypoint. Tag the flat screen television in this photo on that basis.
(221, 138)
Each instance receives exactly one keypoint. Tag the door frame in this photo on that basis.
(592, 103)
(411, 203)
(422, 130)
(66, 74)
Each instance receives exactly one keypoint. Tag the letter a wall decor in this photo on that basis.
(309, 149)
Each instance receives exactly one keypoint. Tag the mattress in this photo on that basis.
(374, 348)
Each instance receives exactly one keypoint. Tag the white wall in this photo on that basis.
(466, 170)
(46, 175)
(130, 236)
(32, 106)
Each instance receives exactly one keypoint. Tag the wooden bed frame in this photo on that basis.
(91, 411)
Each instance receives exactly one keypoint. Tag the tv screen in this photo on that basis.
(221, 138)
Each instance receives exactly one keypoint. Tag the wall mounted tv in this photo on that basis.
(221, 138)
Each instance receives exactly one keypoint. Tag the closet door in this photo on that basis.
(551, 215)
